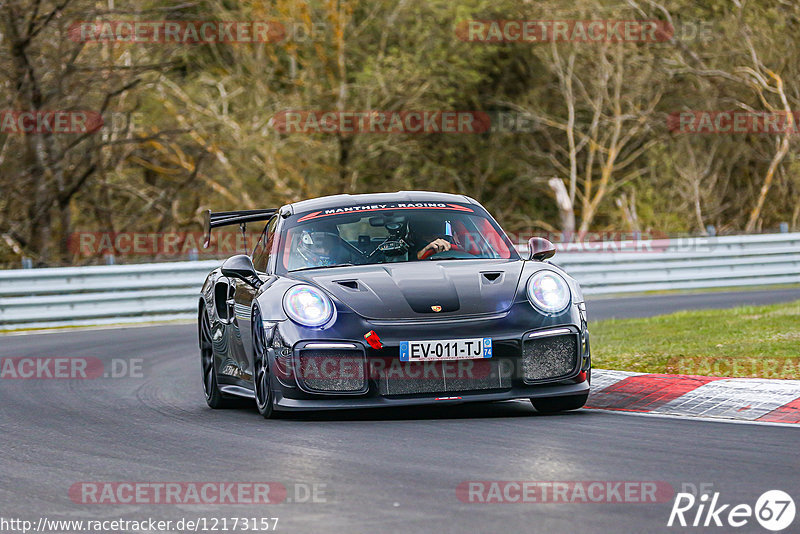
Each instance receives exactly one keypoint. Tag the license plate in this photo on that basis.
(446, 349)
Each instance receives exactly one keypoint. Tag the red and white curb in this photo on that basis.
(746, 399)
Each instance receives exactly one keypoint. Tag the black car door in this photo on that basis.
(245, 293)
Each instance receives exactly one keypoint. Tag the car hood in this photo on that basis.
(428, 289)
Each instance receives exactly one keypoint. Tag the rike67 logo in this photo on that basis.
(774, 510)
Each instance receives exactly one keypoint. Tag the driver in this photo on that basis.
(319, 249)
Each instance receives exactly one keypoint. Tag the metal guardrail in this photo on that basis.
(44, 298)
(691, 263)
(97, 295)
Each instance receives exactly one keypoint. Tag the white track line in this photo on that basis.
(697, 418)
(742, 398)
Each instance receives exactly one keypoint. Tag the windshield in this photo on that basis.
(391, 233)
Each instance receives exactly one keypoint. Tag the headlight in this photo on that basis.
(307, 305)
(548, 291)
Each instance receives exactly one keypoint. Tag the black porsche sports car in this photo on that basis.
(391, 299)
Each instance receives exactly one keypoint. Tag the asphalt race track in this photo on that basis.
(375, 471)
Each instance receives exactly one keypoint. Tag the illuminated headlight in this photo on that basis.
(548, 291)
(307, 305)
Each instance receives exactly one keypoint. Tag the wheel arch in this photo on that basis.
(202, 307)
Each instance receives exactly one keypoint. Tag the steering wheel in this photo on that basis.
(453, 247)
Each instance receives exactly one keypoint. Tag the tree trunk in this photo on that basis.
(783, 149)
(565, 209)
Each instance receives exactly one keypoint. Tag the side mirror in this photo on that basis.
(540, 249)
(241, 267)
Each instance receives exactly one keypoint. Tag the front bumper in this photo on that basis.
(511, 373)
(353, 403)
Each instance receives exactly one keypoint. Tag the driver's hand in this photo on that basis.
(437, 245)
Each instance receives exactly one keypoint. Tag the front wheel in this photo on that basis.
(559, 404)
(261, 380)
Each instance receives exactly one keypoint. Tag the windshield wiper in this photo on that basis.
(322, 267)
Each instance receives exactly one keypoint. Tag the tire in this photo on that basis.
(214, 397)
(559, 404)
(261, 376)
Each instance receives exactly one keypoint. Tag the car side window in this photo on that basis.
(264, 246)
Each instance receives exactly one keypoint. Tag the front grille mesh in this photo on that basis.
(407, 378)
(332, 371)
(550, 357)
(544, 359)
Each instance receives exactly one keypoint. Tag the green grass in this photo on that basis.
(749, 341)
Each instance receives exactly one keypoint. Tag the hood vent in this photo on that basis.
(349, 284)
(492, 277)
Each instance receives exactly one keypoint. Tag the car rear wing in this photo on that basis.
(229, 218)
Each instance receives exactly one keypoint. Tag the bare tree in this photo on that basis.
(44, 70)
